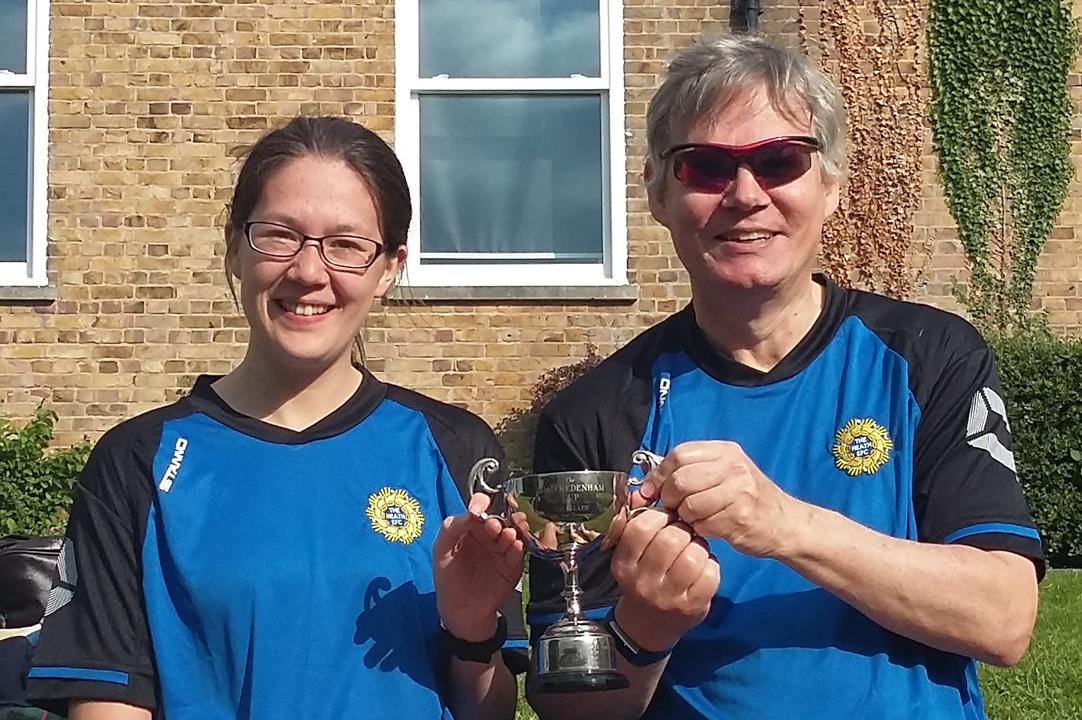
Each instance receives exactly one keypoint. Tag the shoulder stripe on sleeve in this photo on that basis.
(978, 410)
(999, 452)
(67, 578)
(982, 528)
(980, 432)
(77, 673)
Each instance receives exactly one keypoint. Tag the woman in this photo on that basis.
(271, 544)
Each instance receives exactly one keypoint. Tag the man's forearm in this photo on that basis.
(954, 598)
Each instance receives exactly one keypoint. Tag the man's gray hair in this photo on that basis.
(702, 79)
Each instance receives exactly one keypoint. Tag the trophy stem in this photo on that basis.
(572, 592)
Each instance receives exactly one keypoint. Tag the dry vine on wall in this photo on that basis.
(874, 50)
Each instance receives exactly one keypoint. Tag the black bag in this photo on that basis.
(27, 573)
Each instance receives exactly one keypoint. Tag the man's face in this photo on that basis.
(746, 237)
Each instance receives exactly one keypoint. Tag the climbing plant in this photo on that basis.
(1001, 116)
(873, 50)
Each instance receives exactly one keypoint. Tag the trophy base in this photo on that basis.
(576, 656)
(573, 682)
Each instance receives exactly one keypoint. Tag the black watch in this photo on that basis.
(628, 648)
(478, 652)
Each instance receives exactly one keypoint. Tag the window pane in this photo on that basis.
(512, 174)
(510, 38)
(14, 175)
(13, 36)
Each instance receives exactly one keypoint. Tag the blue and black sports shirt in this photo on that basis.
(217, 567)
(887, 412)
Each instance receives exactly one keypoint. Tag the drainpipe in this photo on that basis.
(745, 15)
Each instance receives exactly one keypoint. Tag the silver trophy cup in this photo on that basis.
(564, 517)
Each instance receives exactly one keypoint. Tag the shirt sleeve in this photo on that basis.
(967, 488)
(95, 642)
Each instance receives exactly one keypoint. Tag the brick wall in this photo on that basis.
(148, 100)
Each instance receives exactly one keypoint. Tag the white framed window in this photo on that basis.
(510, 127)
(24, 94)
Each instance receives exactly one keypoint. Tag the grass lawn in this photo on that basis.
(1047, 684)
(523, 712)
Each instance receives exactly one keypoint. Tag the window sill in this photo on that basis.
(606, 294)
(28, 293)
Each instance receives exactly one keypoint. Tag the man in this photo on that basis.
(841, 460)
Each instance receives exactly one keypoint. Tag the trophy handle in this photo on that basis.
(480, 474)
(647, 461)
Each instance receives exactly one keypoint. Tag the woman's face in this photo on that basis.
(303, 313)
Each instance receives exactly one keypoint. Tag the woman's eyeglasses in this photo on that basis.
(347, 252)
(710, 168)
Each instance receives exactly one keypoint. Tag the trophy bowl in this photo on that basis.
(564, 512)
(563, 517)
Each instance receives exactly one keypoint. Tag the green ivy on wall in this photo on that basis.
(1001, 116)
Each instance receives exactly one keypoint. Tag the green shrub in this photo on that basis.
(36, 484)
(1042, 383)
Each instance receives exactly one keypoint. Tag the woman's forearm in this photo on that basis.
(485, 692)
(101, 710)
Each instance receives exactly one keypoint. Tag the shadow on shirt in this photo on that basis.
(807, 620)
(402, 627)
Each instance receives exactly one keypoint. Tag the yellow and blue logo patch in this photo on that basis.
(395, 515)
(862, 446)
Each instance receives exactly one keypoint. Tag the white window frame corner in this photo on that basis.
(32, 272)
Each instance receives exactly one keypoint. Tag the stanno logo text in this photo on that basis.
(174, 465)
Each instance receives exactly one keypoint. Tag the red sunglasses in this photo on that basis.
(708, 167)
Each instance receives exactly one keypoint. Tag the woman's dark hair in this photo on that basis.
(333, 138)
